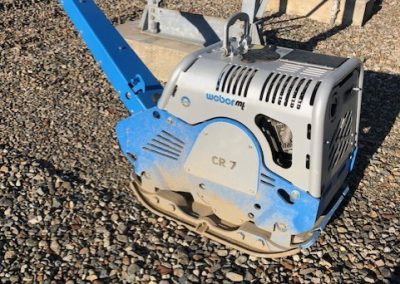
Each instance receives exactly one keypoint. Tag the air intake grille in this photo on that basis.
(341, 140)
(235, 79)
(166, 145)
(285, 90)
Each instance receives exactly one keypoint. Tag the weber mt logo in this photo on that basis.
(226, 101)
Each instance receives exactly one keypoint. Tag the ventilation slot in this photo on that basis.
(314, 72)
(166, 145)
(277, 86)
(314, 93)
(290, 68)
(222, 77)
(289, 91)
(295, 91)
(267, 81)
(270, 87)
(281, 89)
(249, 79)
(235, 79)
(303, 93)
(341, 140)
(267, 180)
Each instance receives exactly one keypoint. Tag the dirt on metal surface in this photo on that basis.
(67, 213)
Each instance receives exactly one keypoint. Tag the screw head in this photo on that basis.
(185, 101)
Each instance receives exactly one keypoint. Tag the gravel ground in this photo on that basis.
(66, 211)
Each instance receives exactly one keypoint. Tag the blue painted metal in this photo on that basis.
(169, 173)
(126, 72)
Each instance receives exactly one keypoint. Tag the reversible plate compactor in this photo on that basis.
(246, 144)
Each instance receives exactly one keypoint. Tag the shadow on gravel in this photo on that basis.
(395, 279)
(46, 165)
(67, 176)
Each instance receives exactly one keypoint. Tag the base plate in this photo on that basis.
(209, 228)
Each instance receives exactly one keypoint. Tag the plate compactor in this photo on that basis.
(247, 144)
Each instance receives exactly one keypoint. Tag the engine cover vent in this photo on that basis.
(313, 72)
(235, 79)
(285, 90)
(166, 145)
(341, 140)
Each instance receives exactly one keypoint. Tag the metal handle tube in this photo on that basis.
(124, 69)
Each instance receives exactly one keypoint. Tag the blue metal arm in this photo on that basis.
(134, 82)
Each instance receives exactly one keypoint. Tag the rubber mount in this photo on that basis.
(155, 204)
(266, 53)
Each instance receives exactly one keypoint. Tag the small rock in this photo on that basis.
(193, 278)
(240, 260)
(54, 245)
(222, 252)
(179, 272)
(133, 269)
(235, 277)
(55, 203)
(163, 270)
(368, 279)
(122, 238)
(91, 277)
(84, 251)
(35, 220)
(4, 169)
(9, 254)
(385, 272)
(287, 265)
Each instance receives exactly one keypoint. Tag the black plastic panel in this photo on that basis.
(308, 57)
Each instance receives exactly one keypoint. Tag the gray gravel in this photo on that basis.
(66, 211)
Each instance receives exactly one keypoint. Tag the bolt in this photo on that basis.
(294, 195)
(281, 227)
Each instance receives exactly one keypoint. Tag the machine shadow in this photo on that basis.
(395, 278)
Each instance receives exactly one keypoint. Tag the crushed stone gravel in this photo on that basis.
(67, 214)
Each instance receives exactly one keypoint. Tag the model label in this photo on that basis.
(226, 101)
(218, 161)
